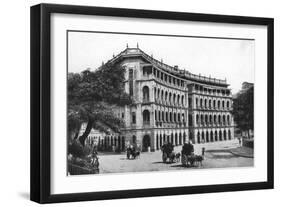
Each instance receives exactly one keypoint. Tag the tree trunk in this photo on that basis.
(76, 135)
(248, 133)
(83, 137)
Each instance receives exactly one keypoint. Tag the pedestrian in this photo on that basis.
(239, 139)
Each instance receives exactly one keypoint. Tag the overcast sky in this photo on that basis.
(221, 58)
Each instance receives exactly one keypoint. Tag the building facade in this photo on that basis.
(171, 104)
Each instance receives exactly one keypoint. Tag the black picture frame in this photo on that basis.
(40, 102)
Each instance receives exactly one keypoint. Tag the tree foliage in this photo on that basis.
(243, 109)
(92, 98)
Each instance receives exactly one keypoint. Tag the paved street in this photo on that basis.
(219, 154)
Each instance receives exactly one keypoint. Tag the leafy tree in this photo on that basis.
(243, 110)
(92, 98)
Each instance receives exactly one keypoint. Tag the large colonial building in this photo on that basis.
(170, 104)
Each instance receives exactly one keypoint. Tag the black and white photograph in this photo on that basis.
(157, 102)
(140, 103)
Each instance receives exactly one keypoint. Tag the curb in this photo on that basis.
(241, 155)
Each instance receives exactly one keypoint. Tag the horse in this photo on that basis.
(136, 154)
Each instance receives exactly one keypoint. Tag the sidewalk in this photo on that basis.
(213, 146)
(243, 152)
(231, 146)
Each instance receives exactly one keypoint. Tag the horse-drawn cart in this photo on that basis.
(168, 153)
(168, 156)
(191, 160)
(132, 153)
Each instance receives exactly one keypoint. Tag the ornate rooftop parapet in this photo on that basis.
(173, 70)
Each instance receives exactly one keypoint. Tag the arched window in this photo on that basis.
(146, 117)
(166, 96)
(229, 134)
(179, 117)
(210, 103)
(171, 117)
(156, 113)
(196, 100)
(228, 119)
(216, 136)
(134, 139)
(212, 136)
(197, 119)
(223, 119)
(214, 103)
(178, 100)
(206, 119)
(222, 104)
(180, 139)
(170, 97)
(167, 117)
(157, 142)
(202, 119)
(210, 119)
(145, 91)
(219, 119)
(184, 137)
(201, 102)
(131, 90)
(215, 119)
(207, 136)
(198, 137)
(174, 98)
(227, 104)
(162, 95)
(219, 103)
(163, 116)
(182, 100)
(203, 136)
(183, 117)
(175, 117)
(205, 104)
(158, 94)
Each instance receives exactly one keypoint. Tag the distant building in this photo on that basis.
(247, 85)
(170, 105)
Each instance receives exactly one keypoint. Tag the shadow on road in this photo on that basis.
(158, 163)
(179, 165)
